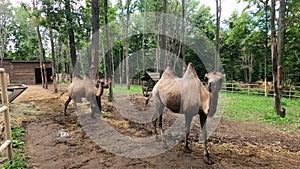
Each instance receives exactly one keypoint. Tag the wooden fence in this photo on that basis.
(288, 91)
(8, 143)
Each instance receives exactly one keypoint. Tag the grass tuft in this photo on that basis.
(19, 155)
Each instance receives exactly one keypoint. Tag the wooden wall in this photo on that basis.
(24, 71)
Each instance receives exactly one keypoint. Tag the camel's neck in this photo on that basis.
(202, 89)
(213, 103)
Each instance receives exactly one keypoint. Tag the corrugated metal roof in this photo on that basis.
(154, 75)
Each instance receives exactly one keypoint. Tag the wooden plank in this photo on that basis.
(16, 93)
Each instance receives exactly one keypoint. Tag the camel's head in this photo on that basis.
(214, 81)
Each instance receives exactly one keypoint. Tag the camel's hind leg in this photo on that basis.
(158, 116)
(94, 106)
(66, 104)
(188, 121)
(161, 131)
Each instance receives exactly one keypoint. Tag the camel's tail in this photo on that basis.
(149, 97)
(62, 94)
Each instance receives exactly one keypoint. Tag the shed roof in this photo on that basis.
(155, 76)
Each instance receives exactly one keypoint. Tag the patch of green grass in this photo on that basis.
(243, 107)
(122, 89)
(19, 155)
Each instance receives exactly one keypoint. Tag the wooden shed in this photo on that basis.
(27, 72)
(148, 81)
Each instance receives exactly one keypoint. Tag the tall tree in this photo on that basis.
(281, 37)
(183, 34)
(277, 95)
(127, 43)
(266, 4)
(143, 37)
(6, 18)
(109, 54)
(42, 51)
(164, 36)
(53, 60)
(95, 39)
(71, 34)
(218, 19)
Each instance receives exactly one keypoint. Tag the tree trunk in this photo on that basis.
(53, 61)
(143, 37)
(281, 35)
(164, 36)
(71, 36)
(183, 36)
(277, 95)
(266, 46)
(104, 61)
(42, 53)
(109, 63)
(63, 66)
(120, 64)
(94, 62)
(157, 52)
(218, 17)
(126, 44)
(68, 57)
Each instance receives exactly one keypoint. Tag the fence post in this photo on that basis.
(4, 98)
(232, 87)
(248, 88)
(290, 91)
(266, 87)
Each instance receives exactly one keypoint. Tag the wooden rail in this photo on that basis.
(256, 89)
(4, 97)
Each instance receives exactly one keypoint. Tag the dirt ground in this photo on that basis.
(57, 141)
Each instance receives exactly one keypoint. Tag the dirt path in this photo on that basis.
(56, 141)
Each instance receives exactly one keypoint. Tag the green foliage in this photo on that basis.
(243, 36)
(19, 154)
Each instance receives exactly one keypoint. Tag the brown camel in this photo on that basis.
(82, 87)
(188, 96)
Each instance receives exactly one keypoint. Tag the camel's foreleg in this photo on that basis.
(203, 118)
(94, 105)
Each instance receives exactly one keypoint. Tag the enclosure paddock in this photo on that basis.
(53, 140)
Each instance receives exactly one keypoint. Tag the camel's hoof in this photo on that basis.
(187, 150)
(207, 160)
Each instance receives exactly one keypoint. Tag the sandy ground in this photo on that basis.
(57, 141)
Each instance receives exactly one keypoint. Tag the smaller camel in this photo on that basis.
(188, 96)
(85, 87)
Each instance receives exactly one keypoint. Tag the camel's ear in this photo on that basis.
(206, 76)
